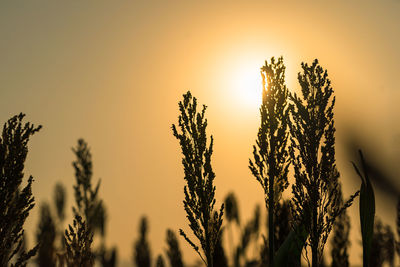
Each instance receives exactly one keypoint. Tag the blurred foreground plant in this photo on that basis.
(367, 209)
(142, 255)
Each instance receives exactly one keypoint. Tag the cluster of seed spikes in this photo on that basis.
(312, 152)
(78, 240)
(271, 163)
(199, 201)
(15, 203)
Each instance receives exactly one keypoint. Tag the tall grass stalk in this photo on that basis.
(312, 152)
(199, 190)
(270, 164)
(15, 201)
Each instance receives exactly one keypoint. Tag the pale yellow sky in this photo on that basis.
(112, 72)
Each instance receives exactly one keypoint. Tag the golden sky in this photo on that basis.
(112, 72)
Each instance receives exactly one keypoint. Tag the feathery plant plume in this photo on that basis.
(78, 240)
(199, 190)
(270, 165)
(340, 240)
(142, 255)
(16, 202)
(382, 249)
(160, 261)
(46, 235)
(173, 251)
(312, 152)
(87, 201)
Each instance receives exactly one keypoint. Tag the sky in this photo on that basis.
(112, 72)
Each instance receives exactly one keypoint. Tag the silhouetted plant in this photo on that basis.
(142, 255)
(173, 251)
(283, 222)
(220, 259)
(199, 190)
(340, 240)
(283, 226)
(231, 208)
(160, 261)
(382, 249)
(312, 152)
(16, 202)
(59, 201)
(248, 234)
(46, 235)
(367, 209)
(231, 215)
(87, 201)
(78, 240)
(108, 257)
(398, 227)
(270, 166)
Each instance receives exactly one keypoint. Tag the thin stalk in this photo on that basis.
(271, 226)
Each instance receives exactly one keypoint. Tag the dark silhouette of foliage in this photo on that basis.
(231, 215)
(16, 202)
(340, 240)
(108, 257)
(398, 228)
(312, 152)
(142, 254)
(199, 190)
(46, 235)
(59, 201)
(78, 240)
(367, 209)
(87, 201)
(173, 251)
(382, 249)
(248, 234)
(283, 222)
(160, 261)
(270, 166)
(231, 209)
(283, 226)
(220, 259)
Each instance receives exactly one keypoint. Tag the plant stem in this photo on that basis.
(271, 220)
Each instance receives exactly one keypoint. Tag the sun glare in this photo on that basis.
(247, 85)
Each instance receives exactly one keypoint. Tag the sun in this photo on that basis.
(246, 85)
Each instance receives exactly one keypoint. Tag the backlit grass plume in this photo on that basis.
(199, 190)
(312, 151)
(15, 201)
(78, 241)
(88, 203)
(270, 165)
